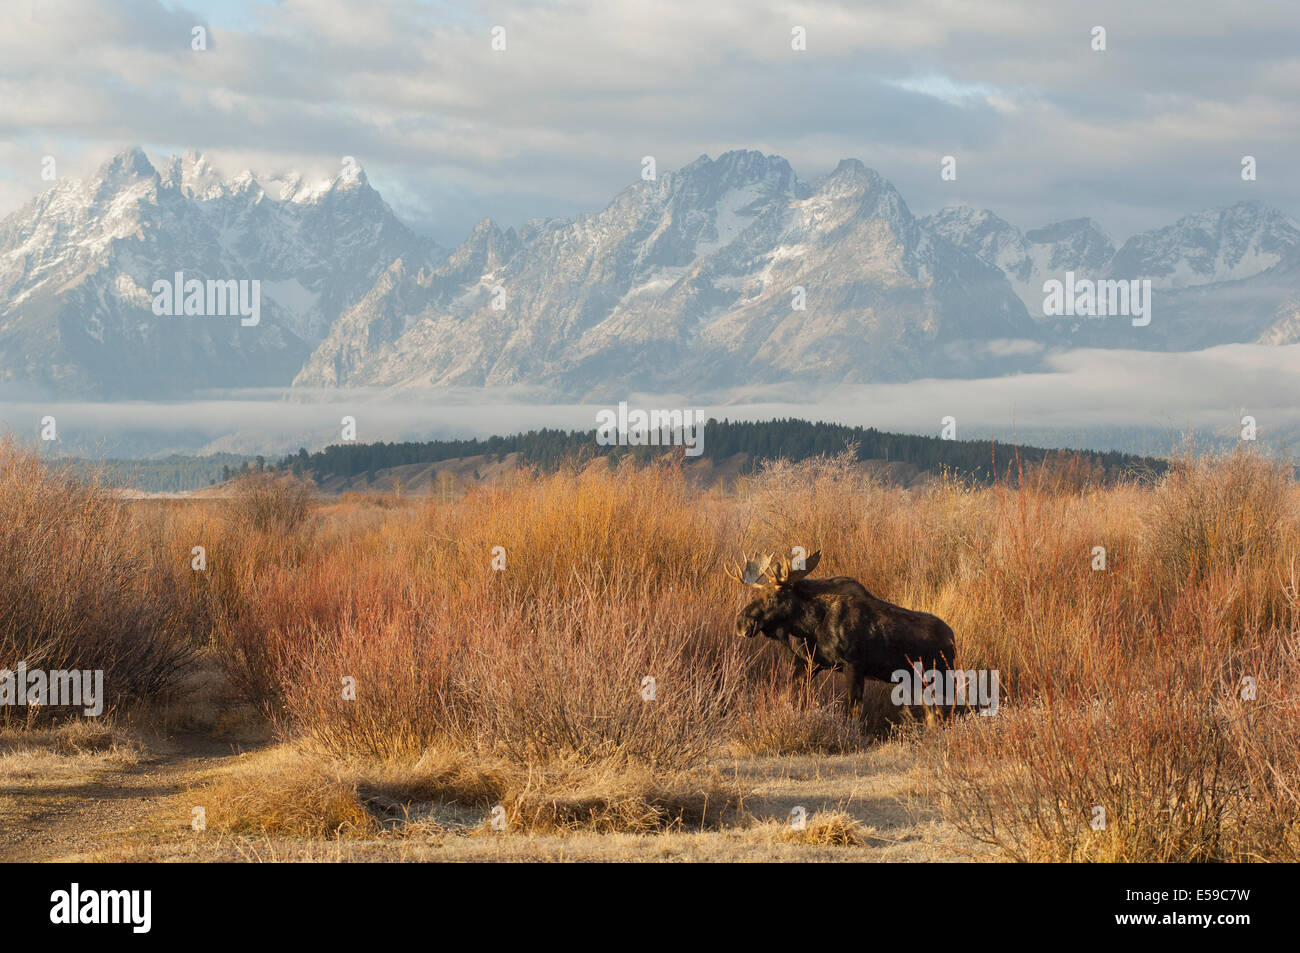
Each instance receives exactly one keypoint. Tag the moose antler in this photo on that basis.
(783, 575)
(752, 573)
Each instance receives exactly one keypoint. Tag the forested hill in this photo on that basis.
(789, 438)
(175, 473)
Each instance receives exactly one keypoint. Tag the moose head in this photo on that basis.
(778, 606)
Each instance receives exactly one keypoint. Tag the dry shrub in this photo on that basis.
(805, 716)
(74, 737)
(439, 775)
(1228, 521)
(282, 794)
(82, 736)
(272, 502)
(82, 586)
(828, 829)
(292, 793)
(625, 799)
(547, 659)
(1173, 782)
(1130, 697)
(578, 686)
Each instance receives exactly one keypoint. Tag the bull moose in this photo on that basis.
(836, 624)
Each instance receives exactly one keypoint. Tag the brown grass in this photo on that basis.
(284, 794)
(828, 828)
(291, 792)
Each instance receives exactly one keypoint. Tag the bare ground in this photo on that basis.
(91, 804)
(131, 801)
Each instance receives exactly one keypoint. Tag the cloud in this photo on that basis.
(1042, 126)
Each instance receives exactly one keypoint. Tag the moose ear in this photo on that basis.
(809, 564)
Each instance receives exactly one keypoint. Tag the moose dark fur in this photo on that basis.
(836, 624)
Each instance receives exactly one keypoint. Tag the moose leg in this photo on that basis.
(853, 682)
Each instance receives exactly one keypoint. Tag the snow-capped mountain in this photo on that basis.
(728, 272)
(1026, 258)
(1218, 276)
(1211, 247)
(78, 266)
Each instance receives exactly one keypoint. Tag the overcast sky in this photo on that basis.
(1042, 126)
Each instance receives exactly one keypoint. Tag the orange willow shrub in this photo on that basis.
(1161, 697)
(82, 586)
(521, 621)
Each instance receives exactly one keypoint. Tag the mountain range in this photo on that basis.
(729, 272)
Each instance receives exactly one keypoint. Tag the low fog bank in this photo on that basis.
(1099, 399)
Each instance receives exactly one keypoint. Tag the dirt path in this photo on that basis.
(94, 805)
